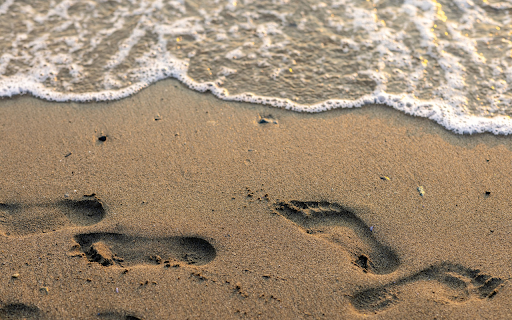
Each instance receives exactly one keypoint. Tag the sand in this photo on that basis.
(172, 204)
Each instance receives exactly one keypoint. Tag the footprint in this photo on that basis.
(340, 225)
(20, 311)
(461, 284)
(19, 219)
(120, 249)
(85, 212)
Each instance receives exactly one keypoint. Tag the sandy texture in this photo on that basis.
(191, 207)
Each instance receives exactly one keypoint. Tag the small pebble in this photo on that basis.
(16, 275)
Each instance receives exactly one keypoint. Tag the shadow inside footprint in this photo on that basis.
(83, 212)
(125, 250)
(464, 283)
(340, 225)
(8, 206)
(20, 311)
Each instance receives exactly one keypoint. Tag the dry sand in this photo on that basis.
(192, 208)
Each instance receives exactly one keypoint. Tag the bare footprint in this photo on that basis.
(125, 250)
(462, 284)
(84, 212)
(20, 311)
(335, 223)
(22, 219)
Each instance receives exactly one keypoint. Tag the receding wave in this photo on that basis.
(450, 60)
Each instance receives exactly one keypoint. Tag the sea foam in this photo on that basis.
(449, 61)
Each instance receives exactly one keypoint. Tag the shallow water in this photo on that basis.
(448, 60)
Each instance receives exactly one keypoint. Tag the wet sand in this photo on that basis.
(172, 204)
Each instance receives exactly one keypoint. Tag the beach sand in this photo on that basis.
(172, 204)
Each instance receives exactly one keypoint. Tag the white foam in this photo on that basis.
(5, 6)
(345, 55)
